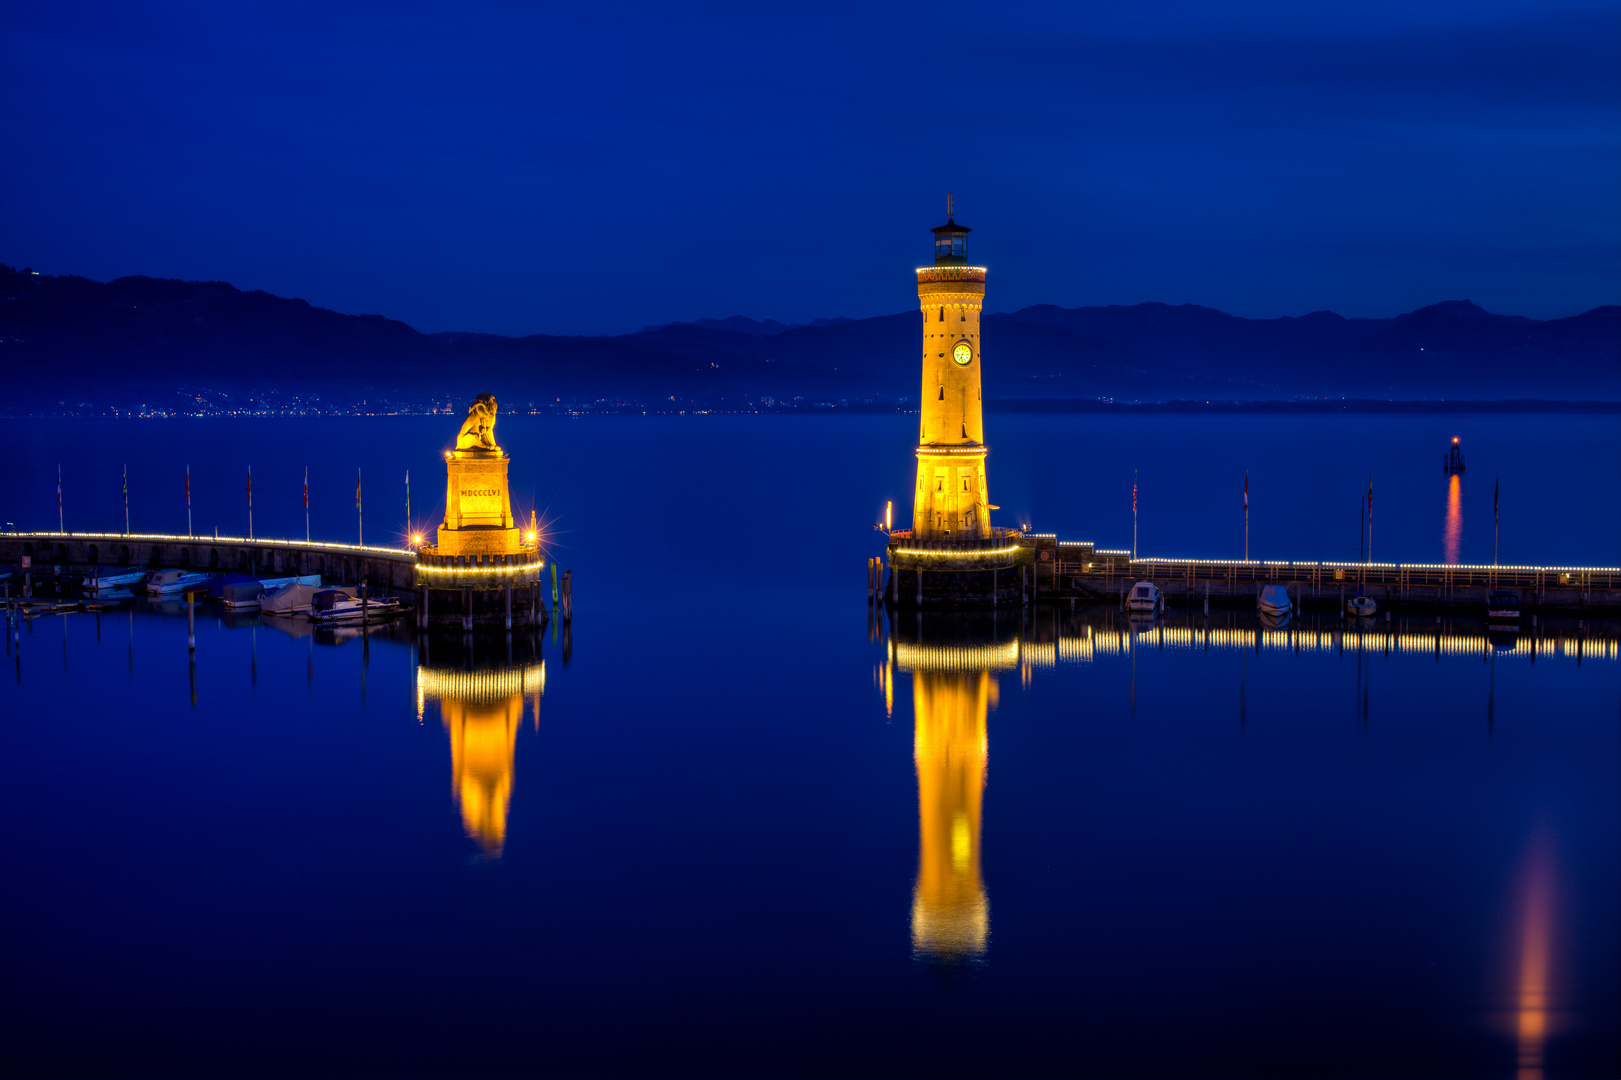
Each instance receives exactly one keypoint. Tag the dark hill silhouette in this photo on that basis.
(138, 339)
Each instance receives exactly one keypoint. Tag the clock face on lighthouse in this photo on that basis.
(963, 353)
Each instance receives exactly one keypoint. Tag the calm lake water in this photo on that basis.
(727, 824)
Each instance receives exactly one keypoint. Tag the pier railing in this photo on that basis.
(1319, 575)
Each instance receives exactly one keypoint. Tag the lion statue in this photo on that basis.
(478, 430)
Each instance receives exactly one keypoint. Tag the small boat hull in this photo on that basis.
(107, 582)
(1144, 596)
(1274, 600)
(1503, 607)
(354, 611)
(170, 582)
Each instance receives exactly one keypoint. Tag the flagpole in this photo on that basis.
(1246, 515)
(126, 499)
(250, 502)
(1496, 487)
(1370, 519)
(189, 531)
(408, 506)
(306, 504)
(60, 527)
(1134, 515)
(360, 513)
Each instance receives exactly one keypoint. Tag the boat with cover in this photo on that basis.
(1363, 607)
(216, 584)
(294, 598)
(329, 606)
(1274, 600)
(169, 582)
(246, 594)
(1144, 596)
(118, 579)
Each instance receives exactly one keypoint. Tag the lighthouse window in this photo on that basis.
(942, 314)
(942, 391)
(962, 314)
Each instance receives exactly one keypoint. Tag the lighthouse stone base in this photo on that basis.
(995, 571)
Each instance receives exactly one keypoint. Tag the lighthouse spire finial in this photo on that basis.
(949, 214)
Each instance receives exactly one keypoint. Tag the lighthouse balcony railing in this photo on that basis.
(964, 541)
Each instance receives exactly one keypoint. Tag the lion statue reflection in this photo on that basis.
(478, 430)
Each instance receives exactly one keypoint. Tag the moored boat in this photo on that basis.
(294, 597)
(1502, 607)
(338, 606)
(121, 579)
(1274, 600)
(1144, 596)
(247, 594)
(169, 582)
(1361, 607)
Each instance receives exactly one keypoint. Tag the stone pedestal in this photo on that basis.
(478, 510)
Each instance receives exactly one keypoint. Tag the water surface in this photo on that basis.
(728, 824)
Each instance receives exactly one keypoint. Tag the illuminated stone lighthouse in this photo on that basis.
(952, 555)
(950, 499)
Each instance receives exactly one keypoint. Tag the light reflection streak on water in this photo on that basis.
(1452, 532)
(482, 712)
(1082, 648)
(1533, 996)
(950, 910)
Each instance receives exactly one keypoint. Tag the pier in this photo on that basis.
(1080, 569)
(1044, 567)
(338, 564)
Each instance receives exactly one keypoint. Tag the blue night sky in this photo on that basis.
(594, 168)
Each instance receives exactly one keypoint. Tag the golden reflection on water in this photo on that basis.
(951, 916)
(1533, 1006)
(954, 664)
(482, 712)
(1452, 532)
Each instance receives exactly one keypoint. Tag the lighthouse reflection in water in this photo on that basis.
(482, 710)
(954, 662)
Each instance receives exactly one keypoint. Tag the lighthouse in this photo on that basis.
(952, 555)
(950, 500)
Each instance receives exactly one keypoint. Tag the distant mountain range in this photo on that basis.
(71, 343)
